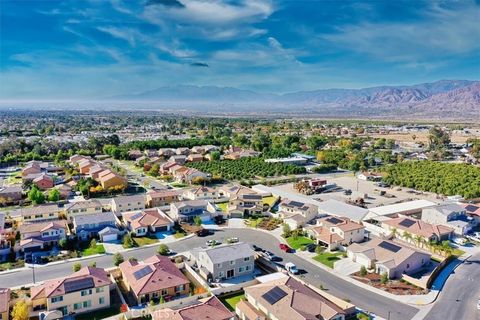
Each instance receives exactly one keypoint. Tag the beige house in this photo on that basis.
(128, 203)
(416, 231)
(186, 211)
(205, 309)
(147, 221)
(86, 290)
(82, 207)
(286, 298)
(245, 204)
(40, 213)
(162, 198)
(334, 232)
(296, 214)
(199, 193)
(388, 257)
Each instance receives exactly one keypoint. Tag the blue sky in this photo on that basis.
(79, 49)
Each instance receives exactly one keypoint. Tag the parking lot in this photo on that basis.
(360, 189)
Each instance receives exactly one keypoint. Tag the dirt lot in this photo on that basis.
(393, 286)
(360, 189)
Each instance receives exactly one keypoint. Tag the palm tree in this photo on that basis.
(418, 240)
(407, 236)
(394, 232)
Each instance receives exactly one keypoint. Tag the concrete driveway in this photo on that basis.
(346, 266)
(236, 223)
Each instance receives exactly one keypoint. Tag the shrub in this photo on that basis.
(363, 271)
(77, 266)
(117, 259)
(384, 278)
(163, 249)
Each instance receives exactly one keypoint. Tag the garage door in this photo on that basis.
(109, 237)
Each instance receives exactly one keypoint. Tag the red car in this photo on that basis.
(284, 247)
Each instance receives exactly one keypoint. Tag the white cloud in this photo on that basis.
(126, 34)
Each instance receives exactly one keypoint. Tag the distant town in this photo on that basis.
(153, 216)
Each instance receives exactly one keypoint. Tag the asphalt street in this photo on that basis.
(458, 299)
(367, 300)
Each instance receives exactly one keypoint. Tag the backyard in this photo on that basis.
(231, 301)
(328, 258)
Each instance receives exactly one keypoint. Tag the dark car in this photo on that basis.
(256, 248)
(311, 247)
(203, 232)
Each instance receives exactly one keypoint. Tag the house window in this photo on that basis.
(51, 215)
(240, 269)
(57, 299)
(101, 300)
(232, 262)
(246, 259)
(86, 292)
(100, 289)
(180, 288)
(408, 266)
(87, 304)
(247, 268)
(77, 306)
(164, 292)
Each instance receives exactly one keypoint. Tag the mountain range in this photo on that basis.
(444, 98)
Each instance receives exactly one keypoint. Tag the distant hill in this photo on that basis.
(445, 98)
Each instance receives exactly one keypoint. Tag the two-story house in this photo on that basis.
(84, 291)
(162, 198)
(40, 213)
(128, 203)
(82, 208)
(40, 235)
(296, 214)
(245, 204)
(332, 232)
(88, 226)
(147, 221)
(200, 193)
(450, 215)
(153, 278)
(224, 261)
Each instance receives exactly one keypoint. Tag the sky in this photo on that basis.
(89, 49)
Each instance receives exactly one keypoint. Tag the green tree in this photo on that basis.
(53, 195)
(363, 271)
(36, 195)
(197, 221)
(93, 244)
(77, 266)
(117, 259)
(163, 249)
(62, 243)
(128, 241)
(287, 231)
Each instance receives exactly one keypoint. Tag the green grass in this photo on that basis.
(255, 222)
(231, 301)
(143, 241)
(99, 249)
(179, 235)
(457, 252)
(328, 258)
(298, 242)
(99, 314)
(178, 185)
(269, 200)
(222, 206)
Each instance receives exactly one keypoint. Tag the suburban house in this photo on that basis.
(40, 235)
(10, 195)
(128, 203)
(82, 208)
(147, 221)
(296, 213)
(416, 231)
(178, 159)
(182, 151)
(199, 193)
(205, 309)
(187, 175)
(162, 198)
(153, 278)
(88, 226)
(96, 170)
(409, 208)
(245, 204)
(165, 167)
(109, 180)
(388, 257)
(4, 303)
(233, 191)
(472, 210)
(195, 157)
(224, 261)
(86, 290)
(75, 159)
(333, 232)
(85, 165)
(44, 182)
(186, 211)
(32, 167)
(286, 298)
(450, 215)
(166, 152)
(40, 213)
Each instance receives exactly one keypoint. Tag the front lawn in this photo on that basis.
(99, 249)
(328, 258)
(298, 242)
(269, 200)
(143, 241)
(231, 301)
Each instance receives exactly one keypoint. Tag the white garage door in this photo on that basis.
(109, 237)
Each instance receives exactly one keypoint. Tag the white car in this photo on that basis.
(292, 268)
(460, 241)
(213, 243)
(232, 240)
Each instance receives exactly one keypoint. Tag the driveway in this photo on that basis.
(236, 223)
(346, 266)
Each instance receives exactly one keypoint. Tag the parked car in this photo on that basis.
(203, 232)
(213, 243)
(232, 240)
(311, 247)
(292, 268)
(256, 248)
(458, 240)
(347, 192)
(270, 256)
(284, 247)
